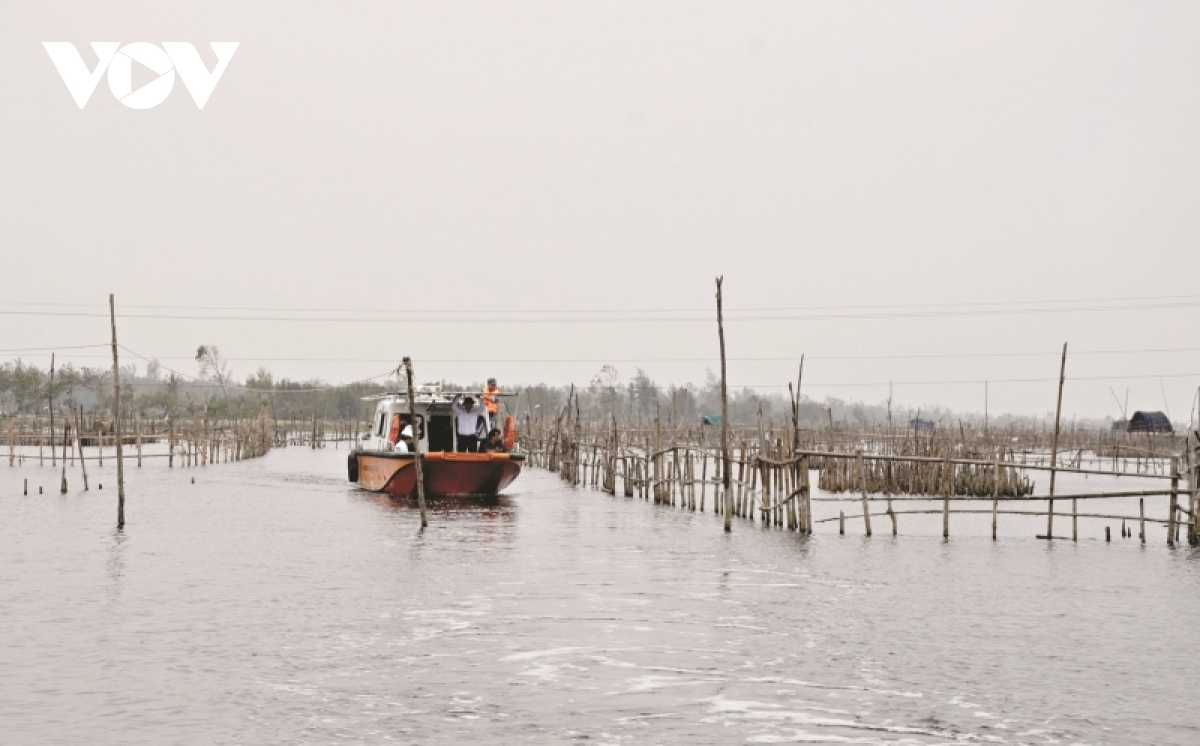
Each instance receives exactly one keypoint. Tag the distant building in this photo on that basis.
(919, 424)
(1120, 426)
(1150, 422)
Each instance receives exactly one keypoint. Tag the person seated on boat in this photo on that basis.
(491, 400)
(466, 423)
(494, 443)
(405, 443)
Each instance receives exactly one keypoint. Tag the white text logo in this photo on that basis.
(165, 60)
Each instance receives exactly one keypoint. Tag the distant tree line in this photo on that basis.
(155, 392)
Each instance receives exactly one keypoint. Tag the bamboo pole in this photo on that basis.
(412, 418)
(946, 487)
(1062, 377)
(724, 415)
(995, 495)
(1174, 504)
(1194, 489)
(79, 447)
(112, 315)
(862, 474)
(50, 397)
(1142, 519)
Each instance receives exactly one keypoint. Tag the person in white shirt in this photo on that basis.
(466, 422)
(405, 443)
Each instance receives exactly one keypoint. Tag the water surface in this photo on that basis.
(270, 603)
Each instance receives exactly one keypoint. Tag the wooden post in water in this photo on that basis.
(1142, 519)
(946, 487)
(995, 494)
(50, 397)
(1174, 504)
(1062, 377)
(112, 315)
(412, 419)
(807, 520)
(725, 486)
(1194, 489)
(862, 475)
(79, 447)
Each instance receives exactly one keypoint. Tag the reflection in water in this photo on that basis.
(269, 604)
(115, 562)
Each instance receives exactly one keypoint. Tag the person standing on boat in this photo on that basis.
(491, 401)
(405, 443)
(466, 423)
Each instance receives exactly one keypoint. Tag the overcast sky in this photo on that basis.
(546, 167)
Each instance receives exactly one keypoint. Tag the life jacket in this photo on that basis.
(491, 399)
(394, 435)
(510, 433)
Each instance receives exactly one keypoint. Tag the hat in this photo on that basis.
(468, 400)
(491, 381)
(406, 432)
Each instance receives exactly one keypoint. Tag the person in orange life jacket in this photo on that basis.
(466, 422)
(494, 443)
(491, 400)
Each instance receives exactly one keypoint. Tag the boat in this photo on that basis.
(375, 466)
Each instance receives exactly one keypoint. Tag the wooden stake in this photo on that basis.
(50, 396)
(112, 315)
(79, 448)
(724, 415)
(946, 487)
(995, 495)
(1174, 505)
(412, 418)
(1142, 519)
(862, 475)
(1062, 377)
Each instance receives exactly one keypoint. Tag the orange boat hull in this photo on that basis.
(445, 473)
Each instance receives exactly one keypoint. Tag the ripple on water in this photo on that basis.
(271, 603)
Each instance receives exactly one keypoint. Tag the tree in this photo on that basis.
(644, 392)
(604, 390)
(27, 385)
(261, 379)
(98, 382)
(212, 366)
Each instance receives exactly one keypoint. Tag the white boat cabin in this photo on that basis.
(434, 427)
